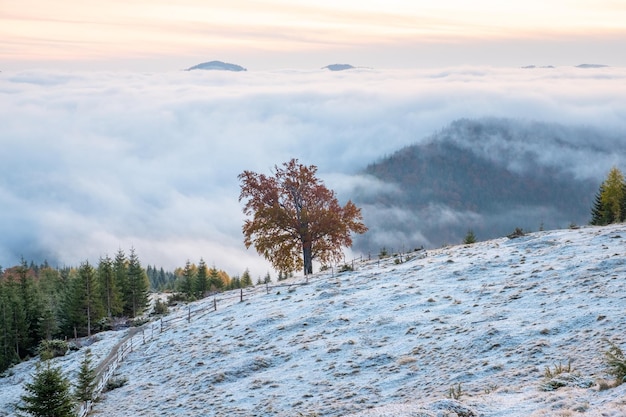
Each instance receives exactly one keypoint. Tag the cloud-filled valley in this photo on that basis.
(96, 161)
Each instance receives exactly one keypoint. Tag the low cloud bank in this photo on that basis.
(93, 162)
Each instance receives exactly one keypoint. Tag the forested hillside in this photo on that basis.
(487, 175)
(40, 302)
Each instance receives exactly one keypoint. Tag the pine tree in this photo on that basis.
(120, 269)
(137, 296)
(470, 238)
(598, 213)
(32, 305)
(613, 195)
(111, 297)
(214, 279)
(48, 395)
(246, 280)
(202, 279)
(86, 379)
(8, 354)
(83, 307)
(187, 285)
(610, 201)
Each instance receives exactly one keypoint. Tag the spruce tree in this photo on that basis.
(598, 213)
(246, 280)
(110, 294)
(120, 269)
(86, 379)
(613, 195)
(610, 201)
(8, 353)
(82, 307)
(202, 279)
(188, 285)
(48, 395)
(214, 279)
(137, 295)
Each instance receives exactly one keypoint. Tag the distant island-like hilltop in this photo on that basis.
(338, 67)
(218, 66)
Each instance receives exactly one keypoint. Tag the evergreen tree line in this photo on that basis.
(610, 200)
(193, 282)
(44, 303)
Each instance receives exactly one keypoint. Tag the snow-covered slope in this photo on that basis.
(392, 339)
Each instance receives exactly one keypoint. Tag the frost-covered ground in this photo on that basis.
(11, 385)
(392, 339)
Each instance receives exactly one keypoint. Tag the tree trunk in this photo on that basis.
(307, 254)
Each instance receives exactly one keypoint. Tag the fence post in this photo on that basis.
(161, 324)
(189, 315)
(214, 303)
(241, 295)
(143, 334)
(131, 344)
(267, 287)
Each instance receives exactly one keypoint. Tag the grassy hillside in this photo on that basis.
(470, 329)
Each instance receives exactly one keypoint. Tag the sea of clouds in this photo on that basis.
(93, 162)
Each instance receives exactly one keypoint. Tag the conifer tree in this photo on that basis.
(613, 195)
(187, 284)
(137, 295)
(202, 279)
(599, 215)
(32, 307)
(8, 353)
(83, 302)
(86, 379)
(48, 395)
(120, 269)
(610, 201)
(246, 280)
(214, 279)
(111, 297)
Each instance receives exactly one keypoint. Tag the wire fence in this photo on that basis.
(139, 336)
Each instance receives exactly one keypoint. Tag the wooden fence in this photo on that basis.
(139, 336)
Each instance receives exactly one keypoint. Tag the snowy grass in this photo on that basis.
(464, 330)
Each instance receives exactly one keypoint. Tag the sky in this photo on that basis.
(169, 35)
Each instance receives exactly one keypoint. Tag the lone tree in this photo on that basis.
(293, 214)
(48, 395)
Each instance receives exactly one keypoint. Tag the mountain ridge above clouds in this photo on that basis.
(394, 337)
(491, 175)
(217, 66)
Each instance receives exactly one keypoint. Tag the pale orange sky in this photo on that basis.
(169, 35)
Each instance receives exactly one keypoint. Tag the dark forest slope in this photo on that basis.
(488, 175)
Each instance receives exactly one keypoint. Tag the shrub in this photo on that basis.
(49, 349)
(616, 362)
(383, 253)
(455, 392)
(470, 237)
(115, 383)
(160, 308)
(518, 232)
(345, 268)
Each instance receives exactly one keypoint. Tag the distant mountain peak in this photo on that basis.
(217, 65)
(338, 67)
(591, 66)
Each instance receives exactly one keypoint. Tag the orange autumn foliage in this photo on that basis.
(295, 218)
